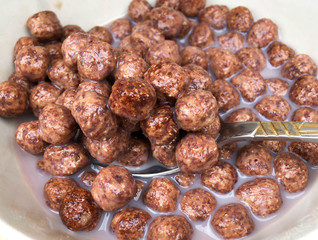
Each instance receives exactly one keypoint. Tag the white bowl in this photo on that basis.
(22, 217)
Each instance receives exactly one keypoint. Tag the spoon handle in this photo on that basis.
(259, 131)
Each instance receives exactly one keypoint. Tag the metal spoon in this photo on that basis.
(245, 131)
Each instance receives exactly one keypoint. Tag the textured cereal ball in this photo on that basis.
(109, 149)
(262, 33)
(291, 172)
(220, 178)
(88, 177)
(56, 189)
(63, 160)
(137, 153)
(21, 43)
(239, 19)
(277, 86)
(186, 26)
(41, 95)
(232, 221)
(213, 129)
(63, 76)
(275, 146)
(201, 36)
(242, 115)
(142, 25)
(184, 179)
(227, 150)
(166, 51)
(113, 188)
(32, 62)
(139, 10)
(191, 8)
(196, 109)
(147, 37)
(170, 227)
(133, 99)
(219, 58)
(130, 223)
(66, 99)
(162, 195)
(305, 91)
(226, 95)
(198, 78)
(126, 46)
(128, 125)
(196, 153)
(56, 124)
(278, 53)
(130, 66)
(165, 154)
(250, 83)
(14, 99)
(160, 127)
(305, 114)
(90, 111)
(54, 50)
(45, 26)
(274, 108)
(121, 28)
(262, 195)
(167, 20)
(197, 204)
(168, 79)
(103, 88)
(96, 61)
(194, 55)
(307, 150)
(254, 159)
(252, 57)
(215, 15)
(101, 33)
(78, 211)
(28, 138)
(168, 3)
(69, 29)
(298, 66)
(232, 41)
(17, 77)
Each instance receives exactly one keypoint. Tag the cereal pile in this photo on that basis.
(179, 69)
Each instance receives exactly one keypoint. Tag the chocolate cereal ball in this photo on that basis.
(69, 29)
(232, 41)
(64, 160)
(191, 8)
(103, 88)
(18, 78)
(88, 177)
(66, 99)
(186, 26)
(21, 43)
(107, 150)
(305, 114)
(63, 76)
(28, 138)
(167, 227)
(194, 55)
(130, 223)
(113, 188)
(242, 115)
(128, 125)
(215, 15)
(41, 95)
(254, 159)
(165, 153)
(227, 150)
(147, 37)
(201, 36)
(161, 195)
(121, 28)
(250, 83)
(262, 33)
(298, 66)
(54, 50)
(168, 3)
(78, 210)
(14, 99)
(133, 99)
(168, 79)
(262, 195)
(101, 33)
(226, 95)
(32, 62)
(90, 111)
(197, 204)
(96, 61)
(305, 91)
(139, 10)
(274, 108)
(291, 172)
(212, 129)
(198, 78)
(196, 153)
(56, 189)
(56, 124)
(307, 150)
(45, 26)
(220, 178)
(196, 109)
(219, 58)
(166, 51)
(277, 86)
(130, 66)
(252, 57)
(278, 53)
(184, 179)
(232, 221)
(239, 19)
(275, 146)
